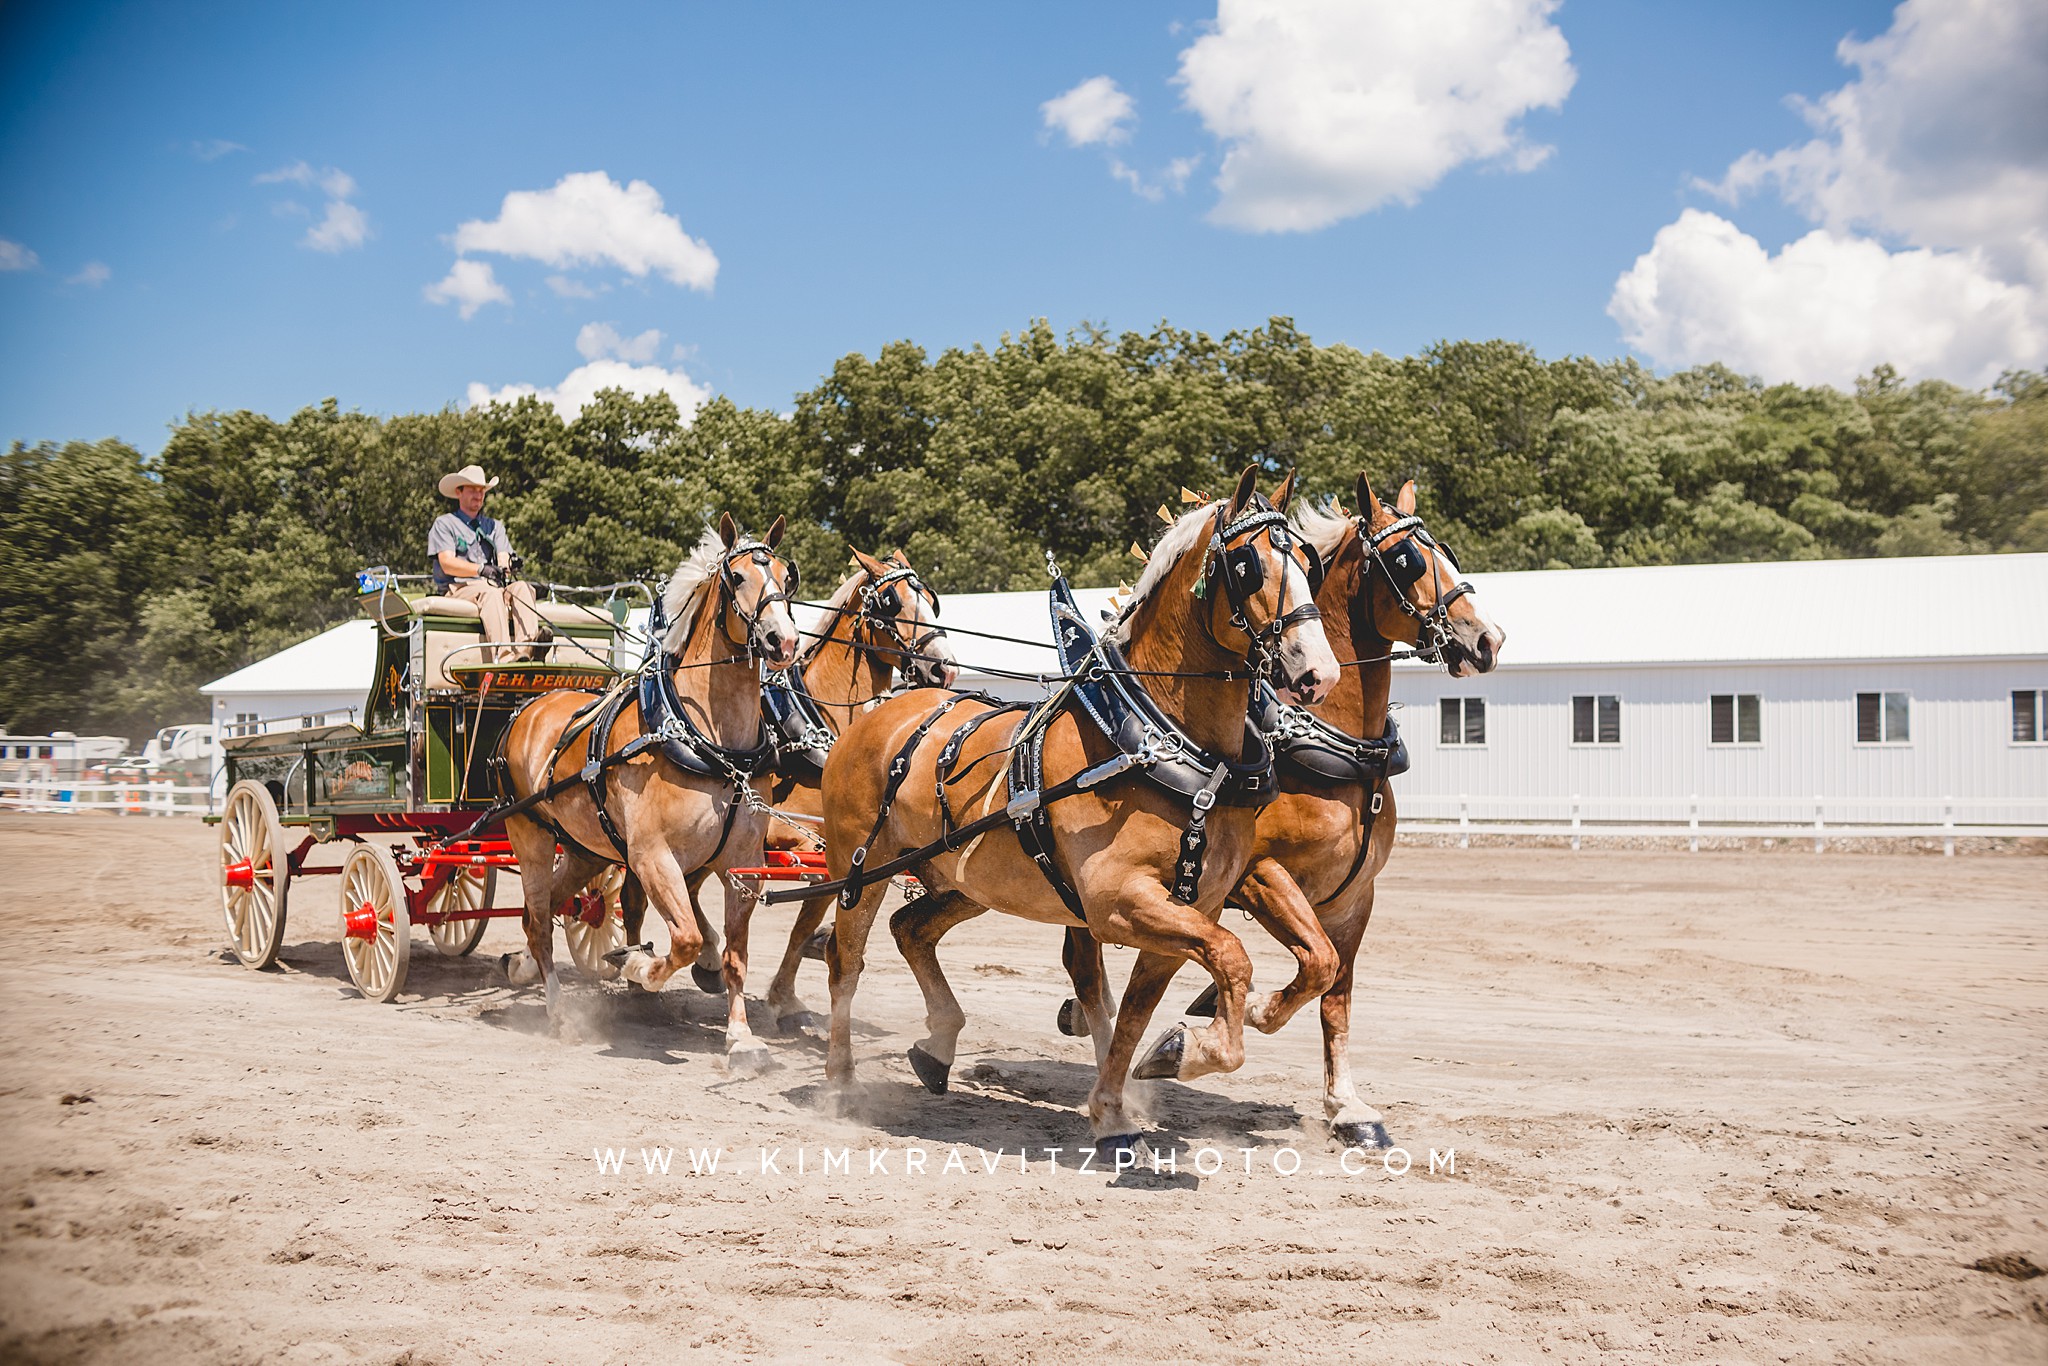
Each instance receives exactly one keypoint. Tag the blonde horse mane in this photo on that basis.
(834, 608)
(692, 577)
(1190, 532)
(1323, 526)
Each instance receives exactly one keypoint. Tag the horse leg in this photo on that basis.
(1155, 924)
(667, 887)
(845, 956)
(791, 1014)
(744, 1054)
(918, 926)
(543, 884)
(1353, 1123)
(706, 971)
(1276, 902)
(632, 907)
(1082, 954)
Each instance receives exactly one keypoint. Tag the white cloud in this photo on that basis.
(343, 225)
(1096, 110)
(15, 256)
(92, 274)
(589, 219)
(598, 340)
(1941, 140)
(1332, 108)
(1939, 145)
(470, 285)
(582, 384)
(213, 149)
(1825, 309)
(574, 289)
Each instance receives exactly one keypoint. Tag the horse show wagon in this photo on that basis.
(400, 786)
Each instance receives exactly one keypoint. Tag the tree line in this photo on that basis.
(127, 580)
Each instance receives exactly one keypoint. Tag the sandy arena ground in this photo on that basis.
(1714, 1107)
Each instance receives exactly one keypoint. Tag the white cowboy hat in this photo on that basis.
(468, 474)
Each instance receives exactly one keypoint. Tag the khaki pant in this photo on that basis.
(509, 616)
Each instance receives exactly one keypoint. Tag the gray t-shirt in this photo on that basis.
(481, 542)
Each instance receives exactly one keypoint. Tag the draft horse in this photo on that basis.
(879, 625)
(656, 773)
(1330, 831)
(1150, 829)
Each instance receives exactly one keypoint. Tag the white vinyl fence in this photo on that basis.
(125, 799)
(1818, 818)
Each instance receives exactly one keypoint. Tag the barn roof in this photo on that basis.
(1932, 607)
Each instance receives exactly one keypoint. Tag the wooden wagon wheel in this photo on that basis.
(466, 889)
(254, 873)
(376, 930)
(588, 944)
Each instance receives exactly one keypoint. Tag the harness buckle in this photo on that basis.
(1204, 798)
(1378, 800)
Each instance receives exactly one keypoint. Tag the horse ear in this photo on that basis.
(874, 567)
(1284, 495)
(774, 536)
(1368, 502)
(899, 559)
(1247, 485)
(727, 532)
(1405, 499)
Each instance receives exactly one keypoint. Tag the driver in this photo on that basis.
(473, 560)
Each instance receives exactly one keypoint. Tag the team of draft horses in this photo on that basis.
(1223, 738)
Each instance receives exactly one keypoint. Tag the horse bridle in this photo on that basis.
(881, 600)
(729, 581)
(1433, 634)
(1244, 574)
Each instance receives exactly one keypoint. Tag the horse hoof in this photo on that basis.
(1073, 1023)
(1111, 1148)
(1203, 1007)
(1370, 1135)
(930, 1070)
(814, 947)
(619, 955)
(710, 982)
(808, 1022)
(1162, 1060)
(748, 1062)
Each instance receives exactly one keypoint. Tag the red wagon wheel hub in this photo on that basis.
(361, 923)
(239, 874)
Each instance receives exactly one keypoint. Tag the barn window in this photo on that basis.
(1596, 719)
(2027, 717)
(245, 723)
(1737, 718)
(1461, 721)
(1882, 718)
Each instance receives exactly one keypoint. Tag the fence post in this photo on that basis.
(1464, 821)
(1575, 820)
(1695, 822)
(1948, 827)
(1819, 843)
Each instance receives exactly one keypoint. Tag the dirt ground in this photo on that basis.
(1715, 1107)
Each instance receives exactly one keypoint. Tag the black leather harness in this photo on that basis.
(1317, 749)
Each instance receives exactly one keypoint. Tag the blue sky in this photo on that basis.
(863, 174)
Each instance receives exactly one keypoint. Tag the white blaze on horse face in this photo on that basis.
(1308, 670)
(775, 633)
(1478, 638)
(939, 665)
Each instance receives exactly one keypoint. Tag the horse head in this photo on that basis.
(1430, 606)
(755, 588)
(1255, 581)
(899, 615)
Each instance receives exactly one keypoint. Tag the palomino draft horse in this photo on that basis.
(655, 774)
(880, 624)
(1147, 843)
(1330, 831)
